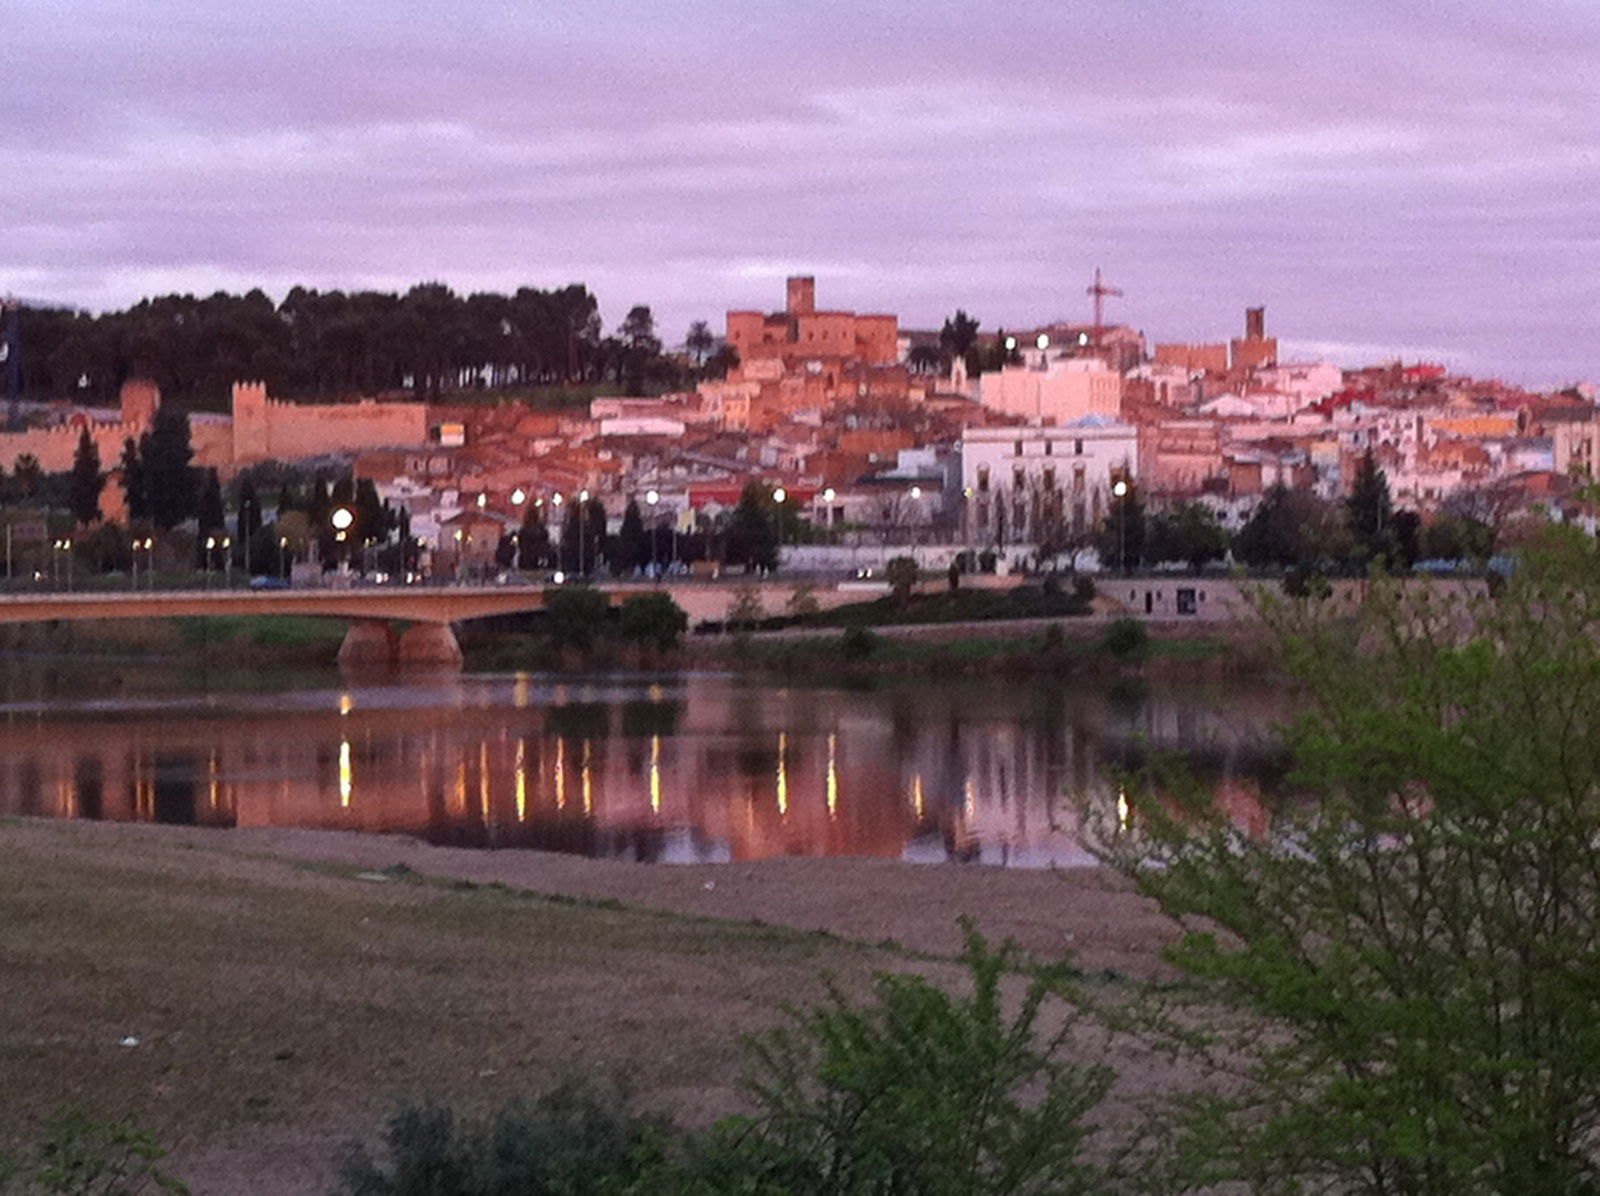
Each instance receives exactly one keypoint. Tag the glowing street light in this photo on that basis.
(519, 496)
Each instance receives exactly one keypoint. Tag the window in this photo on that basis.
(983, 478)
(1049, 447)
(1019, 480)
(1016, 449)
(1050, 479)
(1077, 447)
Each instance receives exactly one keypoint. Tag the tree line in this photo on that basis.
(429, 340)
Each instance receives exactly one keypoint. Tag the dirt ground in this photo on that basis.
(278, 992)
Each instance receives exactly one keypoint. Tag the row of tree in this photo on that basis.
(429, 340)
(1291, 528)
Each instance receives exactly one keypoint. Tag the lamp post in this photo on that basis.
(583, 512)
(227, 561)
(283, 556)
(1043, 342)
(651, 498)
(778, 497)
(1119, 490)
(916, 520)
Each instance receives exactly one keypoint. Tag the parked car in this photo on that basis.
(265, 582)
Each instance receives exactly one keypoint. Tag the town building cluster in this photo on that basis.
(874, 434)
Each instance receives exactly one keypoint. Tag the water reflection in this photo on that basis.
(692, 768)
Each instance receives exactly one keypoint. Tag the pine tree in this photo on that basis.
(170, 483)
(632, 552)
(752, 531)
(209, 513)
(1370, 509)
(134, 489)
(86, 481)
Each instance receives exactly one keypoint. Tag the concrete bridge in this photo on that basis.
(373, 611)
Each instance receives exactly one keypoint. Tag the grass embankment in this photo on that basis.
(282, 639)
(955, 606)
(270, 1009)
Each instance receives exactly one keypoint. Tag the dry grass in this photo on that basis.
(282, 1009)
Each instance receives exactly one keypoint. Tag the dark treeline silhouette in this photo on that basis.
(328, 344)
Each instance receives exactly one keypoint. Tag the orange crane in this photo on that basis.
(1100, 290)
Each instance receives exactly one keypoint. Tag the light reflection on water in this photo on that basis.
(690, 768)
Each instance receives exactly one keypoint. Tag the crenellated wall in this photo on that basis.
(267, 429)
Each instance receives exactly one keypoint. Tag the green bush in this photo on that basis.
(921, 1092)
(653, 619)
(570, 1142)
(1127, 638)
(901, 573)
(858, 643)
(80, 1156)
(576, 616)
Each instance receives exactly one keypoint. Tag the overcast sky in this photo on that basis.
(1413, 177)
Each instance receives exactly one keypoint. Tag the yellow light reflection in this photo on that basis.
(561, 774)
(519, 692)
(917, 799)
(1122, 808)
(970, 800)
(833, 776)
(783, 773)
(655, 773)
(655, 693)
(459, 797)
(584, 772)
(346, 703)
(213, 788)
(522, 780)
(344, 773)
(483, 779)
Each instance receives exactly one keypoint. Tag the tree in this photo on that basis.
(1415, 945)
(700, 342)
(633, 552)
(653, 620)
(209, 515)
(925, 359)
(719, 363)
(169, 479)
(86, 481)
(1452, 537)
(582, 536)
(1292, 529)
(1370, 510)
(1187, 532)
(134, 489)
(1120, 539)
(958, 336)
(576, 616)
(752, 538)
(901, 573)
(26, 477)
(533, 539)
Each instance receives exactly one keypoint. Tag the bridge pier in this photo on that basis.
(432, 644)
(368, 642)
(374, 642)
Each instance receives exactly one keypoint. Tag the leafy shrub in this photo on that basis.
(80, 1156)
(746, 610)
(858, 643)
(803, 601)
(1127, 638)
(653, 619)
(901, 573)
(920, 1092)
(570, 1142)
(1083, 590)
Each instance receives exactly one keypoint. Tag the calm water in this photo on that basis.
(681, 768)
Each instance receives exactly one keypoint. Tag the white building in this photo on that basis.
(1062, 391)
(1019, 481)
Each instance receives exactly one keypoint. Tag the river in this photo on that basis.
(695, 767)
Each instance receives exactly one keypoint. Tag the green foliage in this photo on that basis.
(1292, 528)
(753, 529)
(570, 1142)
(575, 616)
(802, 602)
(1399, 981)
(86, 481)
(1453, 537)
(653, 619)
(858, 643)
(1120, 539)
(1187, 532)
(80, 1156)
(633, 548)
(901, 573)
(922, 1092)
(745, 611)
(169, 480)
(1127, 638)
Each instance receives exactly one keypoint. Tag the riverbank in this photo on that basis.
(261, 997)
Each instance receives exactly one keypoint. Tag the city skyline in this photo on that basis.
(1388, 180)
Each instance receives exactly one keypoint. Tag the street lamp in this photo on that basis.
(211, 547)
(519, 496)
(283, 556)
(583, 512)
(227, 560)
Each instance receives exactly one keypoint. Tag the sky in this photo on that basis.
(1412, 178)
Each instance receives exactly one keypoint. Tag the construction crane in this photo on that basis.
(1100, 290)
